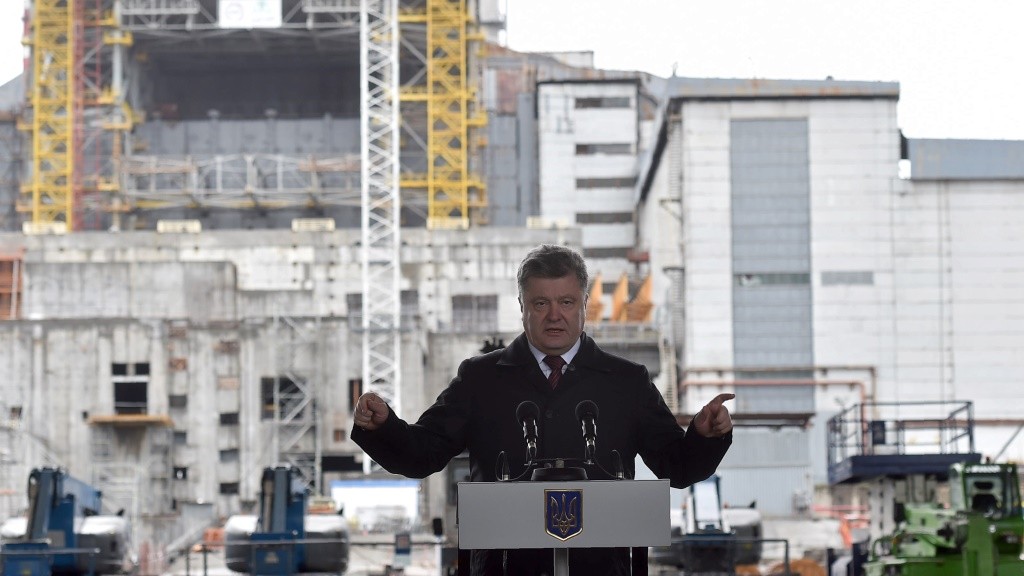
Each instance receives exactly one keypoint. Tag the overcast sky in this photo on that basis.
(960, 63)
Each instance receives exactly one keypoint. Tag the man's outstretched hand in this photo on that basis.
(713, 420)
(371, 411)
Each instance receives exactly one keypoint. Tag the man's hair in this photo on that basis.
(551, 261)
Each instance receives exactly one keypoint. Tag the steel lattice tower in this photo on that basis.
(380, 199)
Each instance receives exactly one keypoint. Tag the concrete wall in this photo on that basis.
(960, 295)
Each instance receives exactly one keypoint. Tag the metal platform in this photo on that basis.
(896, 440)
(865, 467)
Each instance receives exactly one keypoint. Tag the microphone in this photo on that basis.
(586, 414)
(502, 474)
(617, 463)
(527, 414)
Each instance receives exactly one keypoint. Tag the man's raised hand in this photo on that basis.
(713, 420)
(371, 411)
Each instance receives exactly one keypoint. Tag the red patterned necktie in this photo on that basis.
(556, 363)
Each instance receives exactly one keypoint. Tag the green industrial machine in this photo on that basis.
(980, 532)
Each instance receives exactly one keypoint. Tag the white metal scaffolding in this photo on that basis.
(378, 40)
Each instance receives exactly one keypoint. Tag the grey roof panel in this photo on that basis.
(739, 88)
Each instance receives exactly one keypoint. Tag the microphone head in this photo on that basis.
(527, 409)
(586, 408)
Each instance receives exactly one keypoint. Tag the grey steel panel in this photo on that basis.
(529, 187)
(770, 231)
(207, 137)
(776, 490)
(776, 400)
(775, 470)
(12, 144)
(933, 159)
(752, 448)
(502, 172)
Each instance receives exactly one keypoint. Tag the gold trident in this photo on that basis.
(564, 517)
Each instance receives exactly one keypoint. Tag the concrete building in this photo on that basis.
(801, 272)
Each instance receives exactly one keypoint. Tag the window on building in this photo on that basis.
(606, 252)
(590, 149)
(10, 288)
(604, 217)
(355, 390)
(621, 182)
(180, 438)
(229, 419)
(177, 400)
(228, 488)
(772, 279)
(604, 102)
(409, 310)
(287, 390)
(181, 472)
(475, 313)
(131, 387)
(229, 455)
(864, 278)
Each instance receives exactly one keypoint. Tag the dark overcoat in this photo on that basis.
(476, 412)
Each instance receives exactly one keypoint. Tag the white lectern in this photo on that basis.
(562, 515)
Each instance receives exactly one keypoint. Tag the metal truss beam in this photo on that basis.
(240, 181)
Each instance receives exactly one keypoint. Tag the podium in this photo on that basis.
(562, 515)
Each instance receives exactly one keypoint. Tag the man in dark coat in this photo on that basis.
(477, 411)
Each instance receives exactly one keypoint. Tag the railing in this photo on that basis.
(898, 428)
(367, 554)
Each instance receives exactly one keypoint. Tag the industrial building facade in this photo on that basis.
(811, 277)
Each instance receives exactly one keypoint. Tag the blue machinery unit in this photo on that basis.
(63, 532)
(282, 511)
(283, 539)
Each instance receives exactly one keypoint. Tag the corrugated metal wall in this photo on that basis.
(11, 146)
(325, 135)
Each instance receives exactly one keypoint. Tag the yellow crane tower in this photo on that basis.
(452, 116)
(52, 101)
(74, 104)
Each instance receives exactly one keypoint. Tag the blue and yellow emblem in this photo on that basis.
(563, 513)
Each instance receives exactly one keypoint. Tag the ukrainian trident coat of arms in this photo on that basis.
(563, 513)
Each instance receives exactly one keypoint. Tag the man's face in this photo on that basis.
(554, 310)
